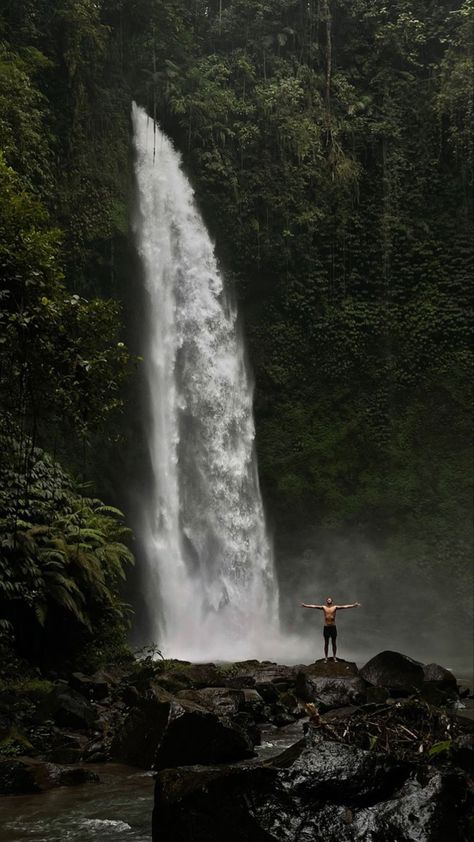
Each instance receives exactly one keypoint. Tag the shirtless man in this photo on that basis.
(329, 629)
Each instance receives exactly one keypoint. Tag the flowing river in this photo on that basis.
(118, 808)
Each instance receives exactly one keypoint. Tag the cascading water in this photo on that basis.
(211, 581)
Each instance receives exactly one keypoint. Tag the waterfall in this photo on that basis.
(210, 583)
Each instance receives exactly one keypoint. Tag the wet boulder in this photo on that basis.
(291, 704)
(96, 751)
(433, 807)
(462, 752)
(331, 791)
(196, 735)
(138, 736)
(253, 702)
(297, 797)
(440, 676)
(240, 682)
(65, 747)
(328, 693)
(279, 715)
(268, 678)
(16, 777)
(68, 708)
(440, 686)
(211, 804)
(24, 775)
(167, 731)
(184, 676)
(398, 673)
(342, 774)
(330, 669)
(223, 701)
(54, 776)
(95, 687)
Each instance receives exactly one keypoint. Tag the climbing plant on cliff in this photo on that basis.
(330, 148)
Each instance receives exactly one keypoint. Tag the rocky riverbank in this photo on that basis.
(383, 751)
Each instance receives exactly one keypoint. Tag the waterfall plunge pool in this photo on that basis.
(118, 808)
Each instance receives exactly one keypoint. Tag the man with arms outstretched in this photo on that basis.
(329, 629)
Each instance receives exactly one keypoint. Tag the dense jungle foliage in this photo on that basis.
(330, 144)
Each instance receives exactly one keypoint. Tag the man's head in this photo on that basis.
(328, 600)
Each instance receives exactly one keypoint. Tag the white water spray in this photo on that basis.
(211, 583)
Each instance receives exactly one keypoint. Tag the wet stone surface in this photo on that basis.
(251, 751)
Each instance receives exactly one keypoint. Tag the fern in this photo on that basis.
(57, 547)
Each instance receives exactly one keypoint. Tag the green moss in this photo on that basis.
(14, 744)
(32, 688)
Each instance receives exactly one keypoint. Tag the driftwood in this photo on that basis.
(409, 729)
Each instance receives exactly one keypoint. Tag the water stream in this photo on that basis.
(119, 808)
(210, 581)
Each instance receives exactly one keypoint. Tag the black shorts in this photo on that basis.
(330, 632)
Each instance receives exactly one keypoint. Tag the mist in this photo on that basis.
(428, 615)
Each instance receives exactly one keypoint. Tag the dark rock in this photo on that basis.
(136, 741)
(75, 775)
(246, 721)
(16, 777)
(65, 754)
(400, 674)
(291, 703)
(267, 691)
(440, 676)
(253, 702)
(330, 693)
(437, 695)
(192, 676)
(344, 774)
(94, 687)
(440, 686)
(376, 695)
(141, 677)
(27, 774)
(223, 701)
(209, 804)
(68, 708)
(5, 727)
(64, 747)
(280, 801)
(431, 810)
(166, 731)
(240, 682)
(330, 669)
(462, 752)
(130, 695)
(195, 735)
(267, 672)
(280, 716)
(344, 713)
(95, 752)
(331, 791)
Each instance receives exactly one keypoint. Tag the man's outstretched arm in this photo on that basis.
(303, 605)
(353, 605)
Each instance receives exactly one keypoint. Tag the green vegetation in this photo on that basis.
(332, 154)
(62, 559)
(63, 554)
(330, 145)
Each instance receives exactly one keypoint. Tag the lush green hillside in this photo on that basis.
(330, 146)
